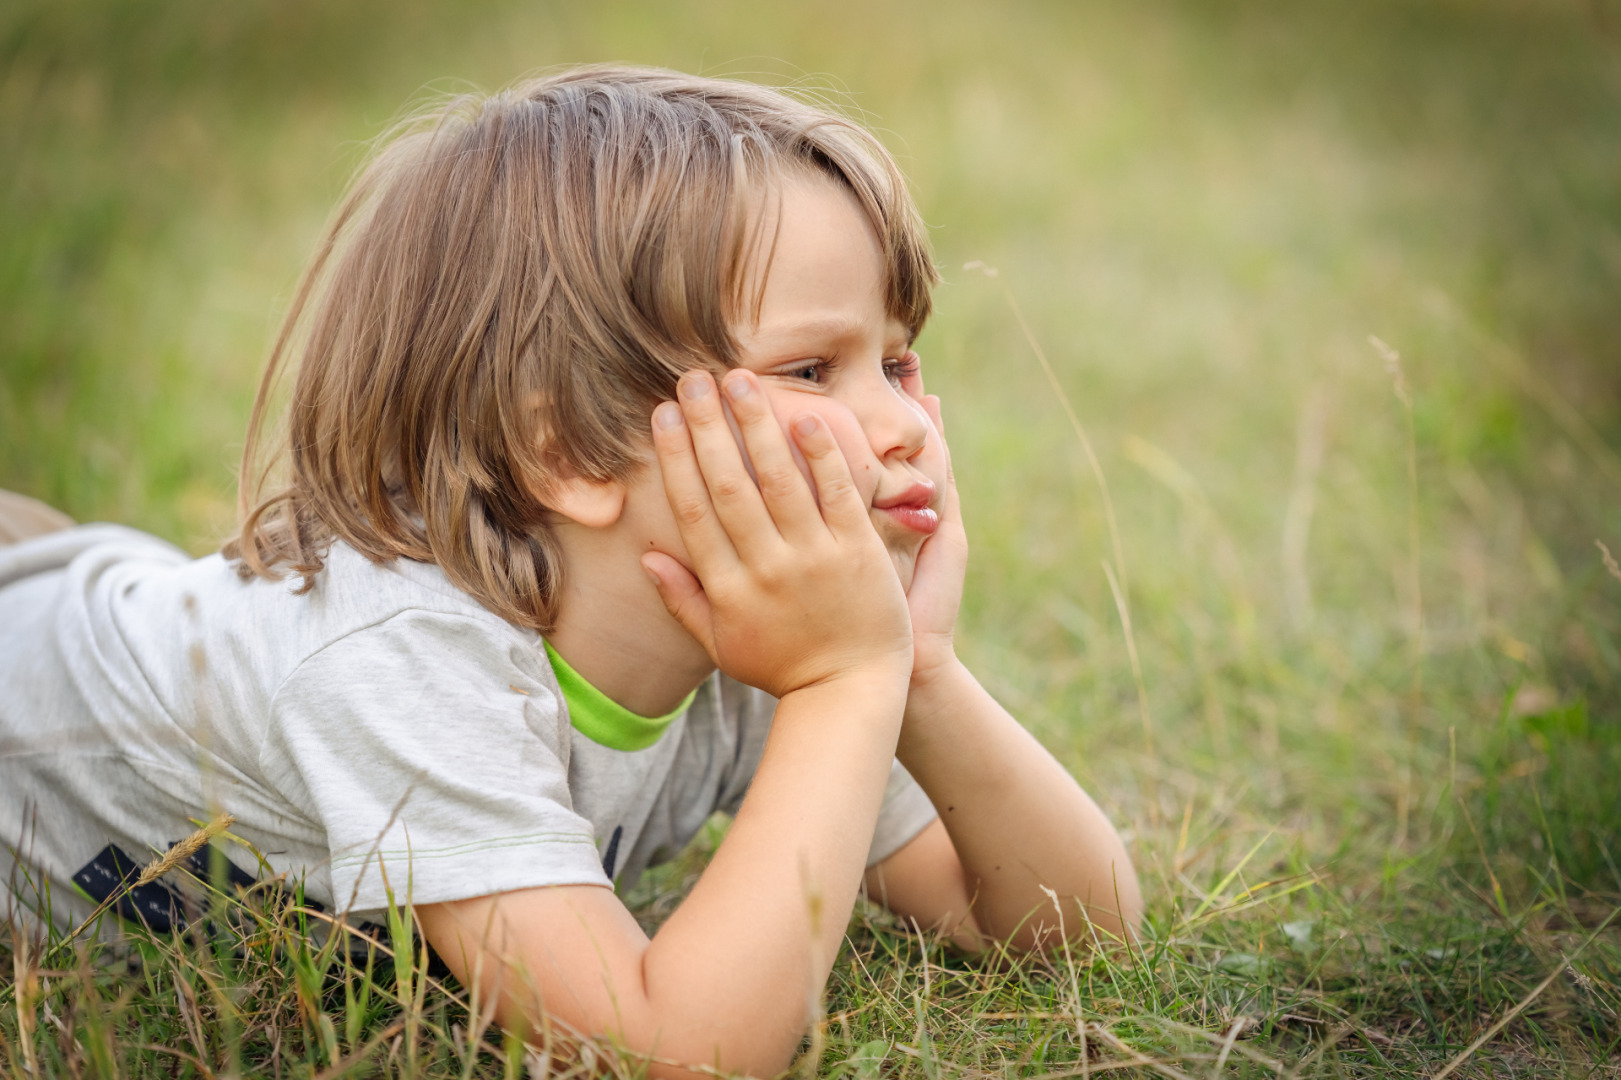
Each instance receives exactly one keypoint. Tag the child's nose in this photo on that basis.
(895, 424)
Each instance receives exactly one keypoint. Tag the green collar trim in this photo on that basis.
(603, 720)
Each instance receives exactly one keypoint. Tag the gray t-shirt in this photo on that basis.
(382, 731)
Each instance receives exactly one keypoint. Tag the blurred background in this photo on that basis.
(1360, 590)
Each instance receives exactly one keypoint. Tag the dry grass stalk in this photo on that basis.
(1609, 560)
(170, 859)
(184, 850)
(1467, 1052)
(1311, 444)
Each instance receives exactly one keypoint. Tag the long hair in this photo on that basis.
(508, 288)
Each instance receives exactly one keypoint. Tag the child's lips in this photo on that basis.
(910, 509)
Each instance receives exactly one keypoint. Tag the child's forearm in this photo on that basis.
(1016, 817)
(750, 950)
(731, 978)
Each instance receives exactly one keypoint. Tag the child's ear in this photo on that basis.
(596, 504)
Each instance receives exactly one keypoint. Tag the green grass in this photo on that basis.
(1374, 818)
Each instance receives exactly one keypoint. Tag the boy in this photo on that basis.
(494, 676)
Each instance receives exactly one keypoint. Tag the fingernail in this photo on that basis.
(667, 415)
(737, 386)
(654, 578)
(805, 425)
(694, 387)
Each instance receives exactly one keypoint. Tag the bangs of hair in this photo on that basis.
(508, 288)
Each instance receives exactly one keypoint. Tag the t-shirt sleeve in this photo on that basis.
(906, 810)
(432, 750)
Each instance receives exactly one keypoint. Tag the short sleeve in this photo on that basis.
(433, 751)
(906, 809)
(906, 812)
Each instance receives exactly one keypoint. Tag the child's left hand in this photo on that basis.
(937, 580)
(1015, 832)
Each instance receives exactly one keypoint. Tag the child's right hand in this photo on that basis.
(782, 594)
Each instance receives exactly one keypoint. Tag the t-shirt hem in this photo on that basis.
(440, 878)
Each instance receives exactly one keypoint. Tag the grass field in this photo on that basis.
(1356, 700)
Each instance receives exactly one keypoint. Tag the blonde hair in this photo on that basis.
(508, 288)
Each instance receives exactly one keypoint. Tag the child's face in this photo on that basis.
(823, 343)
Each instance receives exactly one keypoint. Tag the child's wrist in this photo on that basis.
(933, 720)
(877, 675)
(935, 686)
(888, 673)
(934, 668)
(876, 690)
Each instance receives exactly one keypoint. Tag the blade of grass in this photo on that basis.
(1124, 610)
(1524, 1003)
(1226, 881)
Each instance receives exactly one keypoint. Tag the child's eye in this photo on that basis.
(898, 371)
(812, 372)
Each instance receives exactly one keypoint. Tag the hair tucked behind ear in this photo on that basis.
(507, 289)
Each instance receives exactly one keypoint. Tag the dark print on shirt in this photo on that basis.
(153, 904)
(163, 909)
(611, 856)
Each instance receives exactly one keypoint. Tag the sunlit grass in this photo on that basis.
(1375, 818)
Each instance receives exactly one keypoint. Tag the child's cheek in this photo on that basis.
(846, 432)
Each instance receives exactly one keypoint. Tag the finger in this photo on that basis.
(913, 383)
(783, 488)
(842, 506)
(683, 596)
(931, 407)
(701, 531)
(737, 502)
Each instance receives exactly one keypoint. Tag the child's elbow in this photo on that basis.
(1123, 915)
(1109, 924)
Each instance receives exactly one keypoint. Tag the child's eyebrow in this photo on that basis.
(831, 328)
